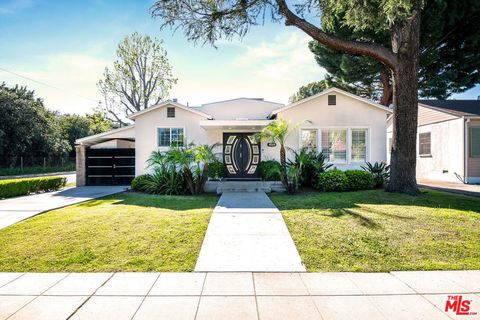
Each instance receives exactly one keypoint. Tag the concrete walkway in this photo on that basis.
(461, 188)
(17, 209)
(248, 233)
(242, 296)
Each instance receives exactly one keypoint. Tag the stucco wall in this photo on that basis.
(348, 113)
(447, 149)
(146, 132)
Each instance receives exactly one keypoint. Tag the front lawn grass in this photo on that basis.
(372, 231)
(124, 232)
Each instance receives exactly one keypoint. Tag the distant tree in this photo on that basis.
(140, 77)
(27, 128)
(313, 88)
(449, 53)
(74, 126)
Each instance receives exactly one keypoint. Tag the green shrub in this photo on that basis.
(310, 163)
(166, 181)
(333, 180)
(20, 187)
(270, 170)
(139, 182)
(359, 180)
(215, 170)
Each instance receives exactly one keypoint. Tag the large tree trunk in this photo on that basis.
(405, 43)
(387, 89)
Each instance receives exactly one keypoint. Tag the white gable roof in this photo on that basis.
(169, 103)
(329, 91)
(240, 108)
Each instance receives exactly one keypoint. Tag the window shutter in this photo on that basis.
(332, 99)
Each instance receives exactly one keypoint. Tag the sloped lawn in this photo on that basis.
(124, 232)
(373, 230)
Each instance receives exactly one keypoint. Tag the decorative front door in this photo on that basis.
(241, 156)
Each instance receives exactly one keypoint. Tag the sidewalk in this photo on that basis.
(369, 296)
(247, 233)
(13, 210)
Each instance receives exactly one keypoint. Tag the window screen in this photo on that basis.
(475, 142)
(334, 145)
(332, 99)
(170, 112)
(424, 144)
(309, 139)
(359, 145)
(170, 137)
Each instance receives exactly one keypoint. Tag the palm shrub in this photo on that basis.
(165, 181)
(380, 172)
(310, 164)
(270, 170)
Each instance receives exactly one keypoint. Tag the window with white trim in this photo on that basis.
(424, 145)
(334, 145)
(359, 145)
(309, 139)
(170, 137)
(474, 142)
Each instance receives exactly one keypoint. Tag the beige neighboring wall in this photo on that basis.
(446, 162)
(348, 113)
(146, 132)
(428, 116)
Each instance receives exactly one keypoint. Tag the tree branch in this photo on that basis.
(375, 51)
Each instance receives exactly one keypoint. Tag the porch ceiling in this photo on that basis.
(234, 124)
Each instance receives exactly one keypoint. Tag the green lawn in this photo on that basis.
(125, 232)
(376, 231)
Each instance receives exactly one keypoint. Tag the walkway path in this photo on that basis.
(237, 296)
(455, 187)
(17, 209)
(247, 233)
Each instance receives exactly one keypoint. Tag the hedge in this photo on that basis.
(20, 187)
(350, 180)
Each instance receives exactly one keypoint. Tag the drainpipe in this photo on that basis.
(465, 150)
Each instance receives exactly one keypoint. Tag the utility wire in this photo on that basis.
(45, 84)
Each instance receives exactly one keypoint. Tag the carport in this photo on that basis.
(107, 158)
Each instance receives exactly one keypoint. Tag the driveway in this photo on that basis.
(17, 209)
(455, 187)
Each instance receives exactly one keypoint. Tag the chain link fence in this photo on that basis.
(19, 165)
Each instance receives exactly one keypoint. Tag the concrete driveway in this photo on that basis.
(17, 209)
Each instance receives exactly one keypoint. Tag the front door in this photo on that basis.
(241, 156)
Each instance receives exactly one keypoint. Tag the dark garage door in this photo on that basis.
(107, 167)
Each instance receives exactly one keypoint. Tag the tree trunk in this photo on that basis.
(405, 43)
(283, 157)
(386, 87)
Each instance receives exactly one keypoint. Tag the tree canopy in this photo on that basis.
(140, 77)
(27, 128)
(449, 53)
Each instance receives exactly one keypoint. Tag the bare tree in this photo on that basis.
(140, 77)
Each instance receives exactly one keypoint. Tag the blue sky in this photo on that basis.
(67, 44)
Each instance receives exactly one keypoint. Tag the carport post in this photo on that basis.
(81, 165)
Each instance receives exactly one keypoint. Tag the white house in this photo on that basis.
(348, 129)
(448, 140)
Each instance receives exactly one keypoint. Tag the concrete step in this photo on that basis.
(223, 189)
(243, 186)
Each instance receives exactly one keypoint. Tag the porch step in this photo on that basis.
(243, 186)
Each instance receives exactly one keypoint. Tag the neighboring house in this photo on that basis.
(448, 140)
(348, 129)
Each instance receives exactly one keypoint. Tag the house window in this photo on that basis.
(424, 148)
(474, 142)
(309, 139)
(359, 145)
(332, 99)
(170, 137)
(170, 112)
(334, 145)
